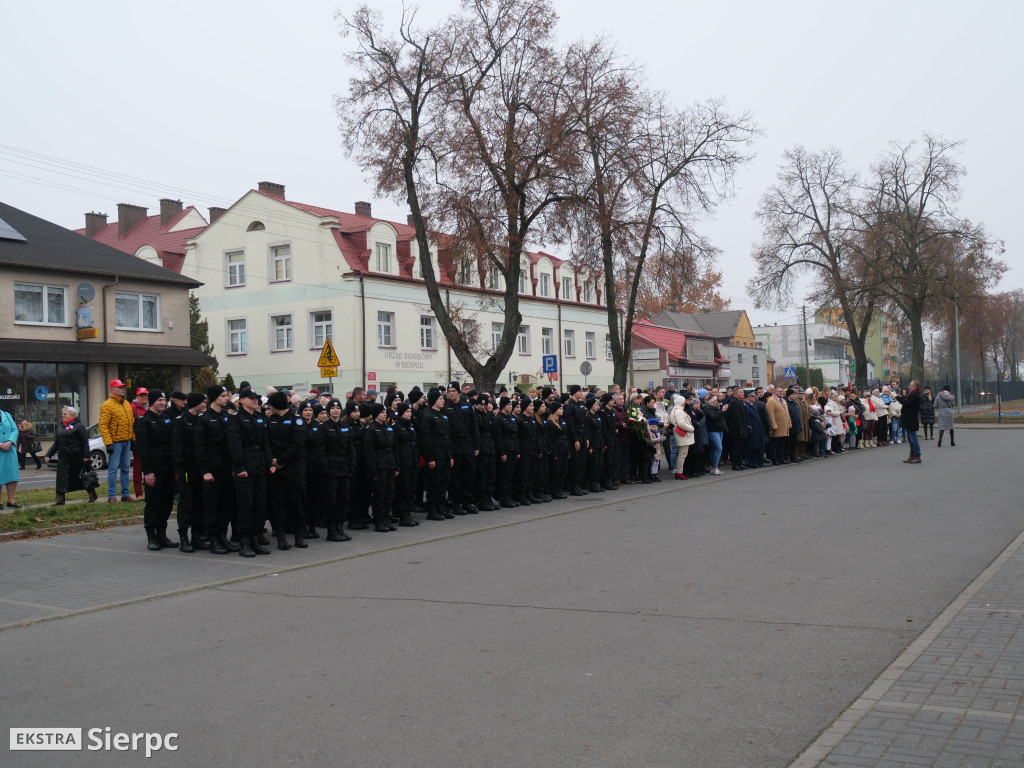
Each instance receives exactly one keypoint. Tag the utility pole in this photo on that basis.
(807, 361)
(956, 322)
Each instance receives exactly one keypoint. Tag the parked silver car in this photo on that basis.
(97, 451)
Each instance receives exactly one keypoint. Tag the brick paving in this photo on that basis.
(954, 698)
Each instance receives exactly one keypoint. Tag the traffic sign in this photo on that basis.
(586, 368)
(328, 372)
(328, 357)
(790, 372)
(550, 364)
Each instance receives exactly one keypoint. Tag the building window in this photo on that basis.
(547, 341)
(496, 330)
(739, 357)
(522, 282)
(607, 346)
(385, 329)
(470, 332)
(383, 257)
(755, 372)
(44, 304)
(588, 293)
(322, 327)
(283, 339)
(523, 340)
(281, 262)
(137, 311)
(590, 344)
(545, 284)
(465, 276)
(567, 289)
(235, 268)
(427, 333)
(569, 338)
(755, 359)
(238, 337)
(494, 279)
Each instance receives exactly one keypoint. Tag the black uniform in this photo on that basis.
(595, 450)
(540, 484)
(210, 442)
(505, 431)
(483, 490)
(287, 439)
(558, 456)
(153, 444)
(609, 436)
(315, 450)
(408, 455)
(435, 446)
(189, 479)
(465, 439)
(526, 468)
(340, 455)
(575, 415)
(381, 465)
(250, 456)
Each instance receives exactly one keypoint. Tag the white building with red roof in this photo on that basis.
(279, 277)
(159, 239)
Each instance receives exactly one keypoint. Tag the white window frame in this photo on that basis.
(545, 284)
(234, 271)
(497, 329)
(494, 279)
(242, 335)
(607, 346)
(547, 341)
(383, 256)
(138, 298)
(428, 334)
(569, 343)
(386, 329)
(289, 333)
(281, 254)
(522, 282)
(45, 290)
(464, 274)
(588, 292)
(324, 327)
(470, 331)
(590, 345)
(523, 340)
(567, 289)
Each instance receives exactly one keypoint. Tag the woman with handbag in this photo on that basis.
(9, 474)
(682, 433)
(72, 448)
(28, 444)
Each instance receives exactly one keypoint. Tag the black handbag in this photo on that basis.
(37, 447)
(89, 479)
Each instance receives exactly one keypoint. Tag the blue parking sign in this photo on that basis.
(550, 364)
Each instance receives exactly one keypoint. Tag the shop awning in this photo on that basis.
(36, 351)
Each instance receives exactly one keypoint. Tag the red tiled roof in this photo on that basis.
(347, 222)
(672, 340)
(170, 246)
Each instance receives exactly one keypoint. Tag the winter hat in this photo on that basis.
(564, 397)
(176, 395)
(606, 398)
(574, 388)
(376, 410)
(247, 394)
(333, 402)
(155, 394)
(453, 385)
(503, 402)
(432, 397)
(415, 395)
(365, 410)
(278, 401)
(702, 393)
(318, 409)
(215, 391)
(350, 408)
(194, 399)
(402, 408)
(546, 392)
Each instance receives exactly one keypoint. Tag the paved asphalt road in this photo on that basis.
(721, 622)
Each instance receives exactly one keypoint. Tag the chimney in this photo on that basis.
(169, 209)
(94, 222)
(128, 216)
(216, 213)
(273, 189)
(363, 209)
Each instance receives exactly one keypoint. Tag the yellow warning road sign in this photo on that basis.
(328, 357)
(328, 373)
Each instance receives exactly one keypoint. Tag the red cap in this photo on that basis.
(116, 383)
(141, 391)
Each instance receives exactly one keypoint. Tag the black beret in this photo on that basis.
(278, 401)
(194, 399)
(215, 391)
(247, 394)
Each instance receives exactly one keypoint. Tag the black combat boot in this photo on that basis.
(152, 542)
(161, 536)
(258, 548)
(185, 545)
(282, 541)
(245, 546)
(217, 544)
(333, 534)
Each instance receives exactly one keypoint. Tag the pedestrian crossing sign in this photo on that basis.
(790, 372)
(328, 357)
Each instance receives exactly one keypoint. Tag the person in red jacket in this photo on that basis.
(139, 407)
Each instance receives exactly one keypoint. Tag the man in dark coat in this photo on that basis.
(910, 421)
(210, 442)
(153, 448)
(251, 462)
(187, 475)
(755, 431)
(465, 437)
(436, 449)
(736, 420)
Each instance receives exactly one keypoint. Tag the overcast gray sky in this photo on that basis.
(200, 101)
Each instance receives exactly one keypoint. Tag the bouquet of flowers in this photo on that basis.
(637, 424)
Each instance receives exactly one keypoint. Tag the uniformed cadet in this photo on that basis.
(214, 460)
(407, 451)
(359, 509)
(287, 439)
(189, 478)
(435, 447)
(341, 464)
(483, 490)
(558, 451)
(315, 448)
(575, 417)
(505, 432)
(526, 468)
(153, 444)
(610, 463)
(251, 462)
(465, 439)
(595, 445)
(379, 447)
(540, 409)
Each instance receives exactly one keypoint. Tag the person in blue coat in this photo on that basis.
(9, 474)
(755, 433)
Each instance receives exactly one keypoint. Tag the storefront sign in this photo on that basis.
(646, 365)
(724, 373)
(646, 354)
(700, 351)
(701, 373)
(9, 394)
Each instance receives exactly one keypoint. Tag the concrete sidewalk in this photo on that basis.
(954, 698)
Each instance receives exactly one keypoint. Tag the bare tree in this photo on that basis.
(466, 121)
(648, 172)
(809, 228)
(923, 253)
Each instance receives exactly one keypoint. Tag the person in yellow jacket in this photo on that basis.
(117, 428)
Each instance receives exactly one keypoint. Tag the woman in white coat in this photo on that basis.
(682, 432)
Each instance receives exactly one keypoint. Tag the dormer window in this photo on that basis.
(567, 289)
(522, 282)
(465, 276)
(383, 257)
(545, 284)
(588, 293)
